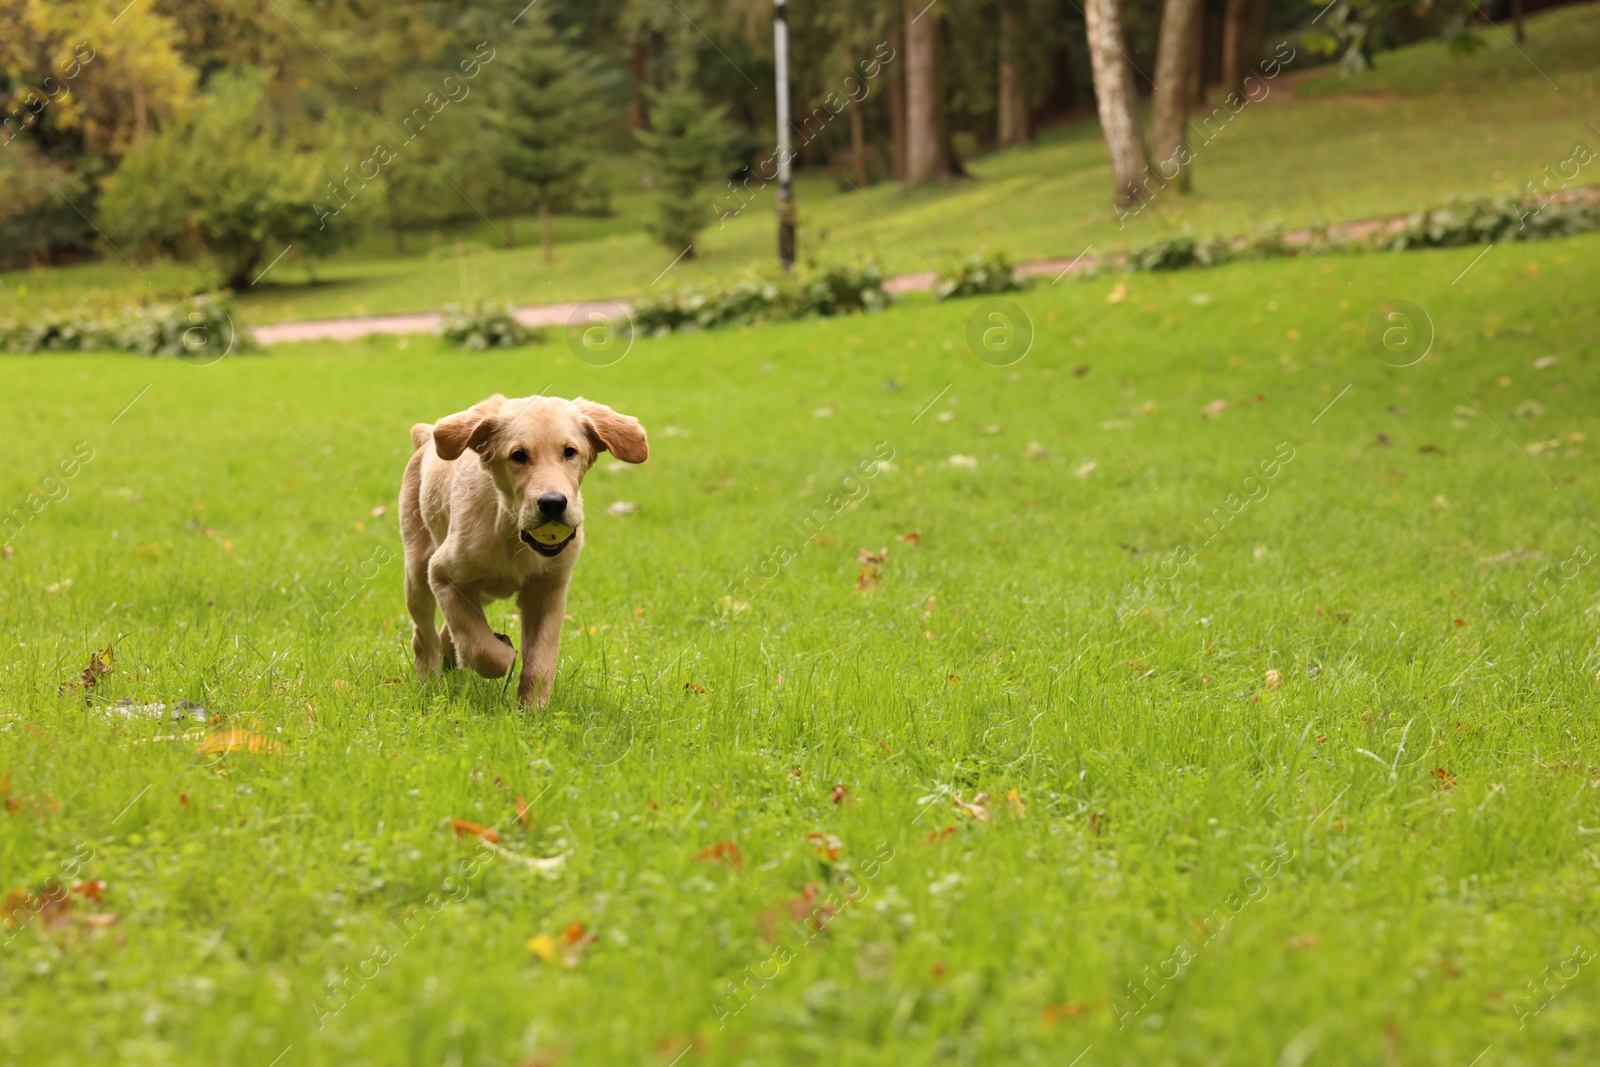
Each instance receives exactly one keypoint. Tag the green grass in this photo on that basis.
(1383, 144)
(218, 535)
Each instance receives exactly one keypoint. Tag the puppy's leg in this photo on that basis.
(419, 548)
(543, 606)
(423, 609)
(476, 645)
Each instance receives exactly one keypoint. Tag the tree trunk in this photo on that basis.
(1516, 18)
(1174, 55)
(858, 146)
(926, 159)
(1114, 97)
(897, 109)
(1244, 34)
(1013, 101)
(636, 115)
(545, 240)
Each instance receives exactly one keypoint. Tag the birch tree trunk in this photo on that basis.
(1115, 97)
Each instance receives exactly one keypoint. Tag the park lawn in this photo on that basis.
(1420, 128)
(1335, 779)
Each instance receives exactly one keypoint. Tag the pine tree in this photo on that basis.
(685, 145)
(548, 118)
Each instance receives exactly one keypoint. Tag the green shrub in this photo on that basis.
(198, 327)
(979, 276)
(1177, 251)
(483, 326)
(837, 290)
(1487, 220)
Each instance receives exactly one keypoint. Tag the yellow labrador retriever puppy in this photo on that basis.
(489, 509)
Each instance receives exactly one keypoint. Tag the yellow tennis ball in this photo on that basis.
(552, 533)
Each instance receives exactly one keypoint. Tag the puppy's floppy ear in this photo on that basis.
(472, 428)
(608, 431)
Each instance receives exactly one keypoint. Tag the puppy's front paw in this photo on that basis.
(533, 690)
(427, 653)
(492, 660)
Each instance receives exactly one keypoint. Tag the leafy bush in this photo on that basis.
(979, 276)
(199, 327)
(1179, 250)
(484, 326)
(1492, 220)
(837, 290)
(844, 289)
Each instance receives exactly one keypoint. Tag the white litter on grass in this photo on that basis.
(621, 507)
(1086, 468)
(674, 431)
(964, 462)
(129, 708)
(1546, 362)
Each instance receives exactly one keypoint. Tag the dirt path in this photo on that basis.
(560, 314)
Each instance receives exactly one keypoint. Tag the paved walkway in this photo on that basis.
(920, 281)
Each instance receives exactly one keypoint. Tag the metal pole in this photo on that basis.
(780, 48)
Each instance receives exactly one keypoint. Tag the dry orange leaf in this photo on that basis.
(911, 537)
(694, 687)
(1054, 1013)
(870, 576)
(725, 852)
(840, 794)
(866, 555)
(827, 846)
(523, 815)
(463, 828)
(239, 739)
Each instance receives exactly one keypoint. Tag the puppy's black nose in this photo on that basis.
(553, 504)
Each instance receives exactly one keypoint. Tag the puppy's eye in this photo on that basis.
(568, 452)
(519, 456)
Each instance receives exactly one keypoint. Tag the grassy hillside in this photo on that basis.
(1419, 128)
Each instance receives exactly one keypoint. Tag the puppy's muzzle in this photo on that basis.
(549, 539)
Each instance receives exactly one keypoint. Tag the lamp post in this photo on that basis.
(780, 48)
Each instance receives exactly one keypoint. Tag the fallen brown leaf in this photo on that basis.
(724, 852)
(869, 577)
(463, 828)
(99, 665)
(826, 846)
